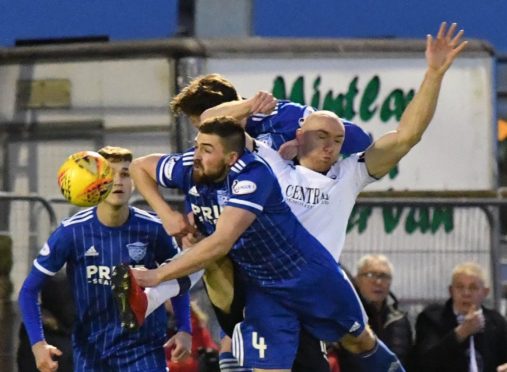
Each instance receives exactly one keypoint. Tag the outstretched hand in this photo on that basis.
(146, 278)
(177, 225)
(443, 50)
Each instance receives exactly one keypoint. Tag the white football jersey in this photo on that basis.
(322, 203)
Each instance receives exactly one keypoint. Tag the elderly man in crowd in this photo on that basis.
(462, 334)
(373, 282)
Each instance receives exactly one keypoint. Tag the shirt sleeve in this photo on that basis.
(30, 307)
(279, 126)
(181, 306)
(55, 252)
(252, 189)
(353, 170)
(171, 169)
(356, 139)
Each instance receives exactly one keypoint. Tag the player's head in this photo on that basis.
(219, 143)
(373, 278)
(201, 94)
(320, 140)
(468, 287)
(119, 158)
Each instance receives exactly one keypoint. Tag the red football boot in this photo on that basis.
(131, 299)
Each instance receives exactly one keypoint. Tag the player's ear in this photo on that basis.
(231, 158)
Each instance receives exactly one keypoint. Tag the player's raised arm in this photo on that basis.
(231, 224)
(387, 151)
(143, 172)
(261, 103)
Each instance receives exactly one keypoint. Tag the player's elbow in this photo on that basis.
(135, 166)
(143, 167)
(407, 140)
(207, 114)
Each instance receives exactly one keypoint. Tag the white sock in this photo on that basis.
(171, 288)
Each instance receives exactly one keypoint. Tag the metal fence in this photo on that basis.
(424, 238)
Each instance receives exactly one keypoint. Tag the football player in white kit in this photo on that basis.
(317, 186)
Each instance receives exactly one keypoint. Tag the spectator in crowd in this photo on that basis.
(373, 281)
(462, 334)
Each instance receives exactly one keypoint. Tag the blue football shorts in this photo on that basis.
(322, 300)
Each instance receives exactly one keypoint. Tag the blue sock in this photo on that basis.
(380, 359)
(230, 364)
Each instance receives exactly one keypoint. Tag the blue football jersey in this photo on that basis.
(91, 250)
(276, 246)
(281, 125)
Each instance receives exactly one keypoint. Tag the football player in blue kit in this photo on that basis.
(238, 204)
(235, 197)
(275, 123)
(90, 244)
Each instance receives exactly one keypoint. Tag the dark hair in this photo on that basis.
(203, 93)
(115, 154)
(229, 130)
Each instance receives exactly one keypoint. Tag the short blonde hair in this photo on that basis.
(115, 154)
(470, 268)
(366, 259)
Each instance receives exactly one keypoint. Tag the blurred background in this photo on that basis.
(80, 75)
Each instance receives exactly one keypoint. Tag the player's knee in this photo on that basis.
(363, 343)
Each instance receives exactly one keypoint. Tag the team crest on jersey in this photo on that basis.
(222, 197)
(137, 250)
(45, 251)
(243, 187)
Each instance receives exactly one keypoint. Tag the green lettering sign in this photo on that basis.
(359, 217)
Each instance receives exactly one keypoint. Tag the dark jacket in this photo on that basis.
(437, 348)
(392, 326)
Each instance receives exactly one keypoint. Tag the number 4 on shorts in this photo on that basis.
(259, 344)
